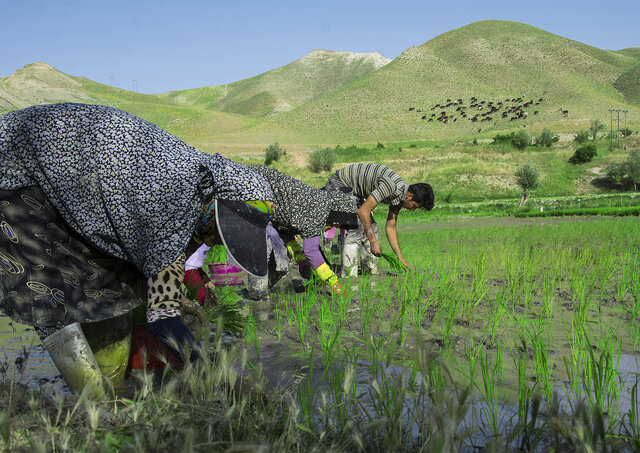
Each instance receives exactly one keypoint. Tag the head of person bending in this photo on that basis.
(418, 195)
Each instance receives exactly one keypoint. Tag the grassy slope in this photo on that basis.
(313, 76)
(490, 60)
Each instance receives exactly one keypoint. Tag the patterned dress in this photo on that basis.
(84, 181)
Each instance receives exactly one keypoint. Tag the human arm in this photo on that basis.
(164, 303)
(392, 235)
(364, 214)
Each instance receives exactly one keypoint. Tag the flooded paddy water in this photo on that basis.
(519, 333)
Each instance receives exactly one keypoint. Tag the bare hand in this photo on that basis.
(376, 249)
(406, 263)
(210, 286)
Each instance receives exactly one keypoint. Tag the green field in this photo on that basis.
(508, 333)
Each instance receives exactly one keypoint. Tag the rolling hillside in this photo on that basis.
(311, 77)
(491, 61)
(475, 81)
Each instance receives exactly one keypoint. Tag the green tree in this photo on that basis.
(321, 159)
(633, 167)
(521, 139)
(273, 153)
(596, 126)
(582, 136)
(547, 138)
(616, 173)
(527, 179)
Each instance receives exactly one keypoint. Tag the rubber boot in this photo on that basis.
(72, 355)
(110, 341)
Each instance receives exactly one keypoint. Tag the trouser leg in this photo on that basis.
(350, 247)
(258, 287)
(368, 261)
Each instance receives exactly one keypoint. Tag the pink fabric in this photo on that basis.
(192, 279)
(330, 234)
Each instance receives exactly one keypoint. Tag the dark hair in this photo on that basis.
(423, 194)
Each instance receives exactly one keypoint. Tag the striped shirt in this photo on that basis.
(379, 181)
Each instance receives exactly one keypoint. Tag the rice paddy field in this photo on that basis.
(508, 334)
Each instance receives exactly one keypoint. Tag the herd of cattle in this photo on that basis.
(478, 111)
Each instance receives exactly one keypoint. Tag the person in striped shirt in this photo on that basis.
(372, 184)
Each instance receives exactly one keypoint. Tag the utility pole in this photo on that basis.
(135, 85)
(618, 111)
(611, 131)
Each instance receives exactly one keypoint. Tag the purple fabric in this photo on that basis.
(311, 249)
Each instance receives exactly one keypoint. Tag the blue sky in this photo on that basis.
(156, 46)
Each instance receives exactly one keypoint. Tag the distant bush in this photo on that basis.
(273, 153)
(321, 160)
(380, 145)
(547, 138)
(582, 136)
(475, 142)
(521, 139)
(633, 167)
(584, 154)
(626, 174)
(503, 139)
(616, 173)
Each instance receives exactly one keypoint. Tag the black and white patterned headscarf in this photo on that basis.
(299, 208)
(125, 185)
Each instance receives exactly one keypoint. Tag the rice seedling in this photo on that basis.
(394, 262)
(399, 367)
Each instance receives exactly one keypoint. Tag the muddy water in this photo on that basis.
(25, 360)
(286, 362)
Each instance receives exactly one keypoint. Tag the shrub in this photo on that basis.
(616, 173)
(380, 146)
(475, 142)
(582, 136)
(273, 152)
(584, 154)
(547, 138)
(521, 139)
(503, 139)
(633, 166)
(321, 159)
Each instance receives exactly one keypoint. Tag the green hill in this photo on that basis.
(311, 77)
(39, 83)
(474, 81)
(489, 60)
